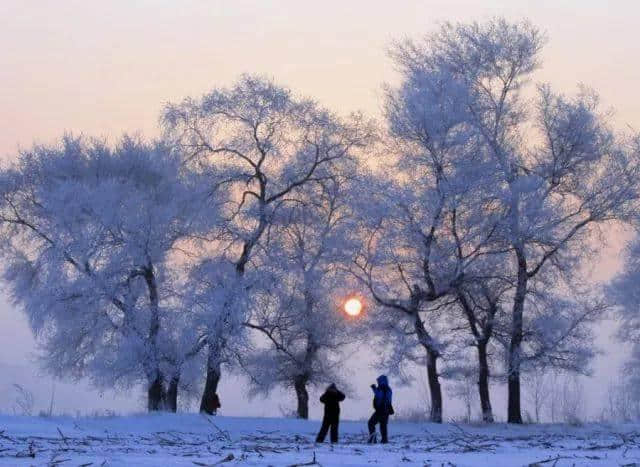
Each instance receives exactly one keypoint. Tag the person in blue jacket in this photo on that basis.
(382, 398)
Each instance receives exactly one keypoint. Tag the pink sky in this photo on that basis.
(105, 67)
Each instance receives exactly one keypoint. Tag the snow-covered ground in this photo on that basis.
(190, 439)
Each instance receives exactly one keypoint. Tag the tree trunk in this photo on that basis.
(514, 414)
(172, 394)
(432, 368)
(302, 395)
(207, 403)
(155, 394)
(483, 384)
(434, 387)
(482, 341)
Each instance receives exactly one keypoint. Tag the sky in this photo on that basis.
(103, 68)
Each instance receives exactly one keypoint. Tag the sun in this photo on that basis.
(353, 306)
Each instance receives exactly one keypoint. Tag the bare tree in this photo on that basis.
(573, 403)
(464, 388)
(555, 166)
(625, 397)
(623, 400)
(87, 233)
(481, 300)
(538, 391)
(299, 314)
(412, 269)
(24, 400)
(426, 227)
(263, 145)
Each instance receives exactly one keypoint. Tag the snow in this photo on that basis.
(191, 439)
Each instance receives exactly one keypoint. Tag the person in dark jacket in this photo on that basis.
(211, 404)
(382, 398)
(216, 403)
(331, 400)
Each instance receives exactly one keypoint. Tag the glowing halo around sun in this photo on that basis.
(353, 306)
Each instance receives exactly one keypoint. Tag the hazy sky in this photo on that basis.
(102, 68)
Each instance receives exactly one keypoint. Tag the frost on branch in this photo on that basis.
(89, 236)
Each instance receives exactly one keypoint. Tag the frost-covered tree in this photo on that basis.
(264, 145)
(88, 233)
(480, 300)
(464, 389)
(426, 226)
(411, 266)
(558, 326)
(537, 390)
(24, 401)
(623, 395)
(556, 168)
(299, 315)
(220, 300)
(624, 289)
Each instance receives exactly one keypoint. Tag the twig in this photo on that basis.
(3, 436)
(311, 462)
(223, 433)
(62, 436)
(550, 459)
(455, 425)
(29, 452)
(57, 461)
(229, 458)
(451, 441)
(598, 447)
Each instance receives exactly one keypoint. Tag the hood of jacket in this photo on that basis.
(383, 381)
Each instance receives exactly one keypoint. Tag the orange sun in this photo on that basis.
(353, 307)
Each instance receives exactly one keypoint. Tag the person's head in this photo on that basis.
(382, 380)
(332, 387)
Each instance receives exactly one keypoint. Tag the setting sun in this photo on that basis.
(353, 307)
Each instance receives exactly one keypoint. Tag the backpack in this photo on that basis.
(387, 405)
